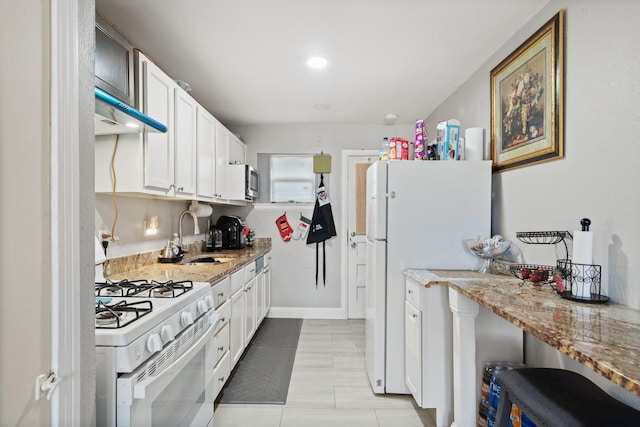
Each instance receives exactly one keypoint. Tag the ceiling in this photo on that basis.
(246, 59)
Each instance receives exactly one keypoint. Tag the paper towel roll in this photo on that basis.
(474, 144)
(582, 254)
(200, 210)
(582, 247)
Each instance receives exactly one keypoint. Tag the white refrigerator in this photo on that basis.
(418, 215)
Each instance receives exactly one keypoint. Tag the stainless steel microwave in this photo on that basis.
(244, 182)
(114, 63)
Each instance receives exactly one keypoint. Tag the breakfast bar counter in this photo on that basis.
(603, 337)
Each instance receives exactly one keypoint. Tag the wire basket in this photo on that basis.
(580, 282)
(536, 274)
(543, 237)
(546, 238)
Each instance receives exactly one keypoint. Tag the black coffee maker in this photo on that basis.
(232, 228)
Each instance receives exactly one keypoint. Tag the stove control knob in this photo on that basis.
(166, 333)
(186, 318)
(154, 343)
(203, 307)
(209, 299)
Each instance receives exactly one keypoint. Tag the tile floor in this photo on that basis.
(329, 387)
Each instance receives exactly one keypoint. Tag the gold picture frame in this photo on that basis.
(527, 101)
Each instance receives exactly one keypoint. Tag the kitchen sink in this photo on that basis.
(207, 260)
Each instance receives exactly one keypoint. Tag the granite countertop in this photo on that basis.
(604, 337)
(146, 266)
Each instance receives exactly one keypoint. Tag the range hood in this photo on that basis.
(115, 117)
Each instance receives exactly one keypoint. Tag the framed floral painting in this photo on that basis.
(527, 100)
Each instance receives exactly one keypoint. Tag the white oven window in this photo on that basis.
(183, 399)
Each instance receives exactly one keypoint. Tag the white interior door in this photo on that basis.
(356, 251)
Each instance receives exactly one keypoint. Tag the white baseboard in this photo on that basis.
(306, 313)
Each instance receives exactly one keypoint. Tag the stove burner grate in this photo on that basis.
(143, 288)
(120, 314)
(118, 288)
(168, 289)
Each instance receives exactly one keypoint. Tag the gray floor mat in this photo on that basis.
(264, 371)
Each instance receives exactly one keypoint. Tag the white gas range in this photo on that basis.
(153, 353)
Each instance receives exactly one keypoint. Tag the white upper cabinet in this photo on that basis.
(237, 151)
(205, 155)
(185, 144)
(222, 162)
(190, 161)
(156, 90)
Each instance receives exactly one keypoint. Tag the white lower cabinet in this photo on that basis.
(237, 298)
(221, 373)
(249, 311)
(222, 368)
(429, 349)
(413, 350)
(236, 338)
(260, 296)
(267, 283)
(221, 291)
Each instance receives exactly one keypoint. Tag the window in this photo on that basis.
(287, 178)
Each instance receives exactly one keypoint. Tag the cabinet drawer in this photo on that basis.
(221, 373)
(225, 314)
(221, 342)
(237, 280)
(249, 272)
(221, 291)
(267, 259)
(412, 293)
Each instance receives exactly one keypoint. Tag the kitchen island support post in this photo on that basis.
(465, 399)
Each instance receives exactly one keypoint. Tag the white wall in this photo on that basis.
(26, 270)
(132, 212)
(600, 174)
(24, 181)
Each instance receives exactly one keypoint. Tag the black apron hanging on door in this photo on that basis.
(322, 227)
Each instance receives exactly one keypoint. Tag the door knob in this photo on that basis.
(353, 244)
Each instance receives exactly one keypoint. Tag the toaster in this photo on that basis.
(214, 239)
(232, 232)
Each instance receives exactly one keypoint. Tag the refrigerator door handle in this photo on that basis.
(391, 194)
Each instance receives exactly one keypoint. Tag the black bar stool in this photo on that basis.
(560, 398)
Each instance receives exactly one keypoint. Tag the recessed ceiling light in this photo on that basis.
(317, 62)
(390, 118)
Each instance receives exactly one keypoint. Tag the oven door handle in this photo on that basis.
(147, 387)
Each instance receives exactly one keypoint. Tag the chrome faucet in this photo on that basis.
(196, 229)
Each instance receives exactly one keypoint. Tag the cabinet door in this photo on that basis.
(221, 374)
(157, 96)
(236, 324)
(222, 162)
(237, 151)
(185, 143)
(267, 290)
(260, 301)
(413, 350)
(221, 343)
(249, 310)
(205, 155)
